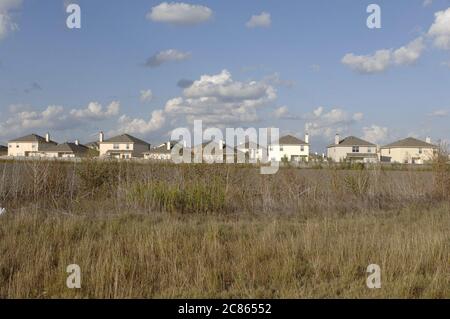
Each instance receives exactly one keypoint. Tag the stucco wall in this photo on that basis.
(406, 155)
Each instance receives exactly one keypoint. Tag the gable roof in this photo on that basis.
(353, 141)
(67, 148)
(125, 138)
(409, 142)
(291, 140)
(32, 138)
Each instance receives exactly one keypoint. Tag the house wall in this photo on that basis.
(22, 148)
(406, 155)
(298, 152)
(339, 153)
(123, 148)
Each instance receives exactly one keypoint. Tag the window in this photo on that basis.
(128, 146)
(270, 148)
(389, 151)
(281, 149)
(116, 146)
(420, 151)
(369, 150)
(302, 148)
(17, 146)
(355, 149)
(33, 146)
(10, 145)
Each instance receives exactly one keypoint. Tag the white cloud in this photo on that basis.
(440, 113)
(375, 134)
(95, 111)
(146, 95)
(141, 126)
(180, 13)
(170, 55)
(326, 124)
(440, 29)
(381, 60)
(218, 99)
(262, 20)
(7, 24)
(281, 112)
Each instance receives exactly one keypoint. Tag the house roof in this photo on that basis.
(92, 144)
(67, 148)
(409, 142)
(353, 141)
(125, 138)
(291, 140)
(162, 149)
(32, 138)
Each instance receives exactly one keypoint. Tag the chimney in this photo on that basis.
(337, 139)
(168, 146)
(428, 140)
(77, 142)
(47, 137)
(101, 137)
(307, 138)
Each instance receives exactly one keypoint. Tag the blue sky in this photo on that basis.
(289, 70)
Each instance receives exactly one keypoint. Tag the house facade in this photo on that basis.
(162, 152)
(408, 151)
(30, 145)
(252, 151)
(122, 147)
(290, 148)
(352, 149)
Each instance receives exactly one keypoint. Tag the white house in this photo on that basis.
(290, 148)
(30, 145)
(122, 147)
(409, 151)
(352, 149)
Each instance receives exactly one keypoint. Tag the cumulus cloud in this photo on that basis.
(179, 13)
(326, 123)
(146, 95)
(440, 30)
(218, 99)
(375, 133)
(7, 24)
(141, 126)
(95, 111)
(170, 55)
(381, 60)
(262, 20)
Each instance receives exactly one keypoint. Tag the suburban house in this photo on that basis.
(290, 148)
(408, 151)
(252, 151)
(93, 146)
(122, 147)
(352, 149)
(66, 150)
(30, 145)
(3, 150)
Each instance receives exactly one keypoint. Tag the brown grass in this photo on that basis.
(160, 230)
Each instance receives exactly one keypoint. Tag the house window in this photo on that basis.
(355, 149)
(302, 148)
(281, 148)
(33, 146)
(271, 148)
(128, 146)
(17, 146)
(369, 150)
(420, 151)
(116, 146)
(389, 151)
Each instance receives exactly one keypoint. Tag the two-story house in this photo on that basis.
(122, 147)
(290, 148)
(352, 149)
(30, 145)
(409, 151)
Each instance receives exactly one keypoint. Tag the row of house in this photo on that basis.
(289, 148)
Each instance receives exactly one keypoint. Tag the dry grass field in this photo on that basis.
(217, 231)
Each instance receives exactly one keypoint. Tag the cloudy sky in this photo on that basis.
(146, 67)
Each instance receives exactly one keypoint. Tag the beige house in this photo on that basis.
(66, 150)
(30, 145)
(352, 149)
(290, 148)
(252, 151)
(122, 147)
(408, 151)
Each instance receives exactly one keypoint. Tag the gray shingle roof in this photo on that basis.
(32, 138)
(409, 143)
(67, 148)
(291, 140)
(125, 138)
(353, 141)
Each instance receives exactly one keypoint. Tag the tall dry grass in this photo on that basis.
(161, 230)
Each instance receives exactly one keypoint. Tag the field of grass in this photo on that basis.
(160, 230)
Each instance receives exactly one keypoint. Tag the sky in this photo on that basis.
(147, 67)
